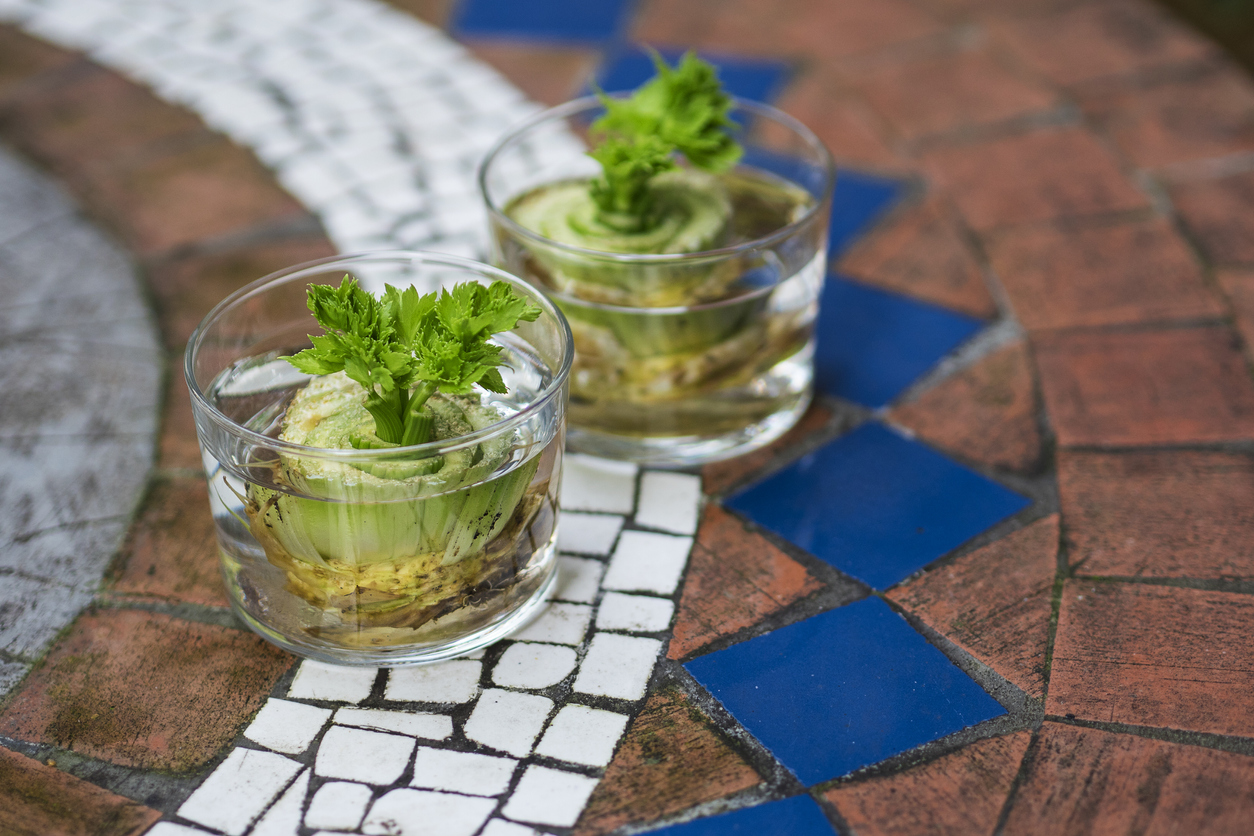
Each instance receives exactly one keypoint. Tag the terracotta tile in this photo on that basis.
(550, 75)
(986, 413)
(1040, 176)
(750, 29)
(961, 793)
(965, 10)
(1239, 285)
(171, 551)
(849, 129)
(177, 446)
(835, 30)
(716, 478)
(23, 58)
(435, 12)
(736, 578)
(97, 116)
(1220, 214)
(1207, 115)
(995, 602)
(1135, 272)
(187, 288)
(665, 22)
(38, 800)
(1090, 781)
(1154, 656)
(1162, 514)
(920, 252)
(671, 758)
(948, 92)
(96, 694)
(1097, 39)
(1146, 387)
(188, 196)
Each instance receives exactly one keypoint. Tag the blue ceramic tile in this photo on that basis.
(796, 816)
(844, 689)
(541, 20)
(760, 81)
(858, 201)
(877, 506)
(872, 344)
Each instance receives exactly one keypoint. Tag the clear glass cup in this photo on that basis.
(378, 557)
(688, 358)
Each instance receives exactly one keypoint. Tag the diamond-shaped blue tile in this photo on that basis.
(872, 344)
(796, 816)
(877, 506)
(757, 80)
(859, 200)
(844, 689)
(541, 20)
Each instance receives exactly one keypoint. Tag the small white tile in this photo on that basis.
(360, 755)
(286, 726)
(583, 735)
(284, 816)
(319, 681)
(412, 723)
(500, 827)
(407, 812)
(338, 805)
(617, 666)
(508, 721)
(549, 796)
(592, 484)
(447, 682)
(558, 624)
(647, 562)
(669, 501)
(169, 828)
(634, 613)
(588, 533)
(238, 790)
(525, 665)
(464, 772)
(578, 579)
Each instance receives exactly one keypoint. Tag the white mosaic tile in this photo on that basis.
(592, 484)
(169, 828)
(499, 827)
(408, 812)
(647, 562)
(412, 723)
(533, 666)
(634, 613)
(669, 502)
(319, 681)
(578, 579)
(464, 772)
(588, 533)
(284, 816)
(286, 726)
(617, 666)
(558, 624)
(549, 796)
(338, 805)
(580, 734)
(508, 721)
(365, 756)
(239, 790)
(445, 682)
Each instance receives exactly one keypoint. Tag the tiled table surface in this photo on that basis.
(998, 580)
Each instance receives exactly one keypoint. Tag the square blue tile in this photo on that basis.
(796, 816)
(872, 344)
(877, 506)
(758, 80)
(842, 690)
(577, 21)
(859, 201)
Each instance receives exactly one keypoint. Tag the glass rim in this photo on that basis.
(586, 102)
(349, 456)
